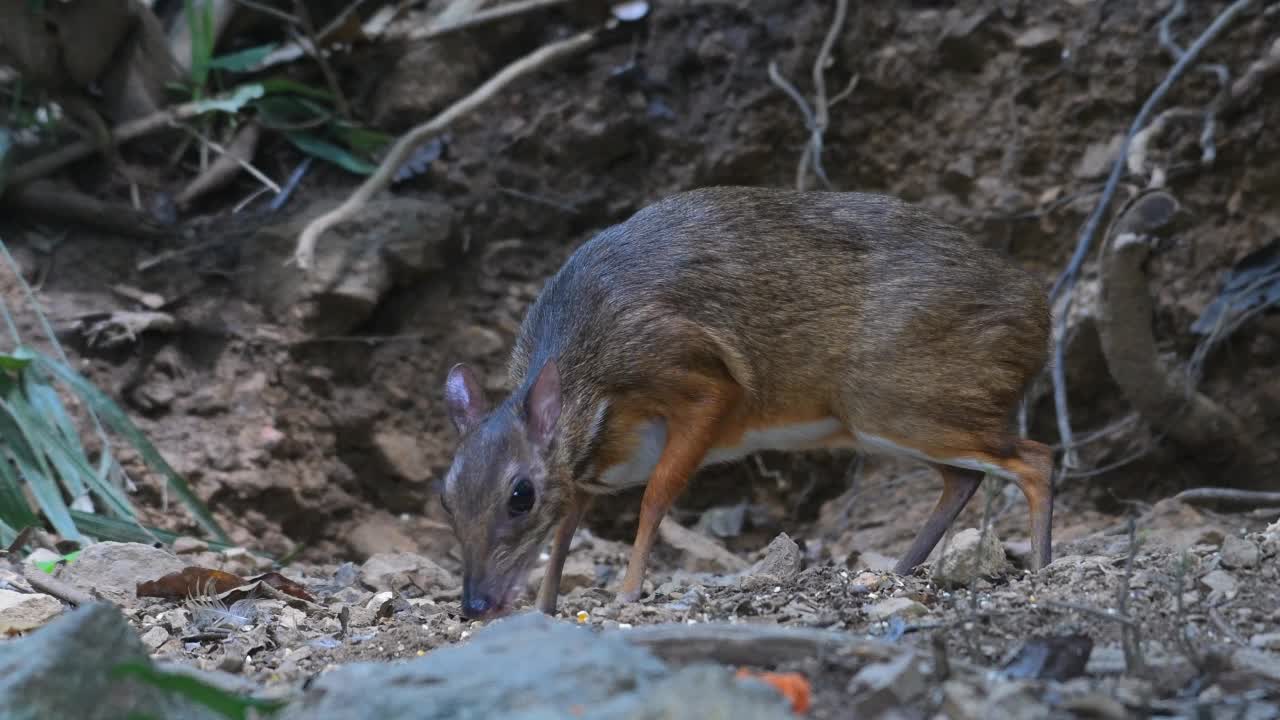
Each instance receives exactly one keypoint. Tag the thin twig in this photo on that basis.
(1131, 640)
(237, 155)
(1064, 285)
(484, 16)
(822, 106)
(817, 117)
(304, 254)
(46, 583)
(120, 134)
(1085, 241)
(1229, 495)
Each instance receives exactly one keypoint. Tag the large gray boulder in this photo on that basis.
(65, 670)
(529, 667)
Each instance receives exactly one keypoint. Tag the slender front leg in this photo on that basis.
(689, 437)
(958, 487)
(549, 592)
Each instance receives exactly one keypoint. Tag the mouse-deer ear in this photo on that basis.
(542, 407)
(465, 398)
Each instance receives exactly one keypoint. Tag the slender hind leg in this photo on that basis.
(958, 487)
(1028, 463)
(1032, 470)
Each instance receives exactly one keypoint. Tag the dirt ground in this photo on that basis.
(323, 442)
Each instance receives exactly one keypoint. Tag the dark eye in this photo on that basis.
(521, 500)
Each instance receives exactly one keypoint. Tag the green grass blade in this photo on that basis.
(15, 511)
(33, 467)
(7, 534)
(223, 702)
(108, 528)
(325, 150)
(78, 476)
(37, 404)
(116, 418)
(19, 352)
(244, 60)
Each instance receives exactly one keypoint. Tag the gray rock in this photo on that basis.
(1258, 662)
(880, 687)
(1239, 553)
(155, 637)
(1266, 641)
(65, 670)
(899, 606)
(186, 545)
(529, 667)
(398, 571)
(1098, 158)
(1221, 583)
(781, 562)
(1043, 41)
(702, 554)
(959, 174)
(579, 572)
(115, 569)
(695, 692)
(401, 454)
(391, 241)
(971, 555)
(20, 612)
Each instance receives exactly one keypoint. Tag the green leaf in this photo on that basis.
(364, 141)
(116, 418)
(290, 112)
(243, 60)
(49, 566)
(13, 364)
(69, 460)
(108, 528)
(325, 150)
(280, 85)
(225, 703)
(28, 455)
(14, 509)
(233, 102)
(7, 534)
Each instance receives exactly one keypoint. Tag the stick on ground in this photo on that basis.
(304, 254)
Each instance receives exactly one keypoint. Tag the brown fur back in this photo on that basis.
(847, 304)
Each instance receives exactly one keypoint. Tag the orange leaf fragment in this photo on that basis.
(793, 686)
(189, 581)
(284, 585)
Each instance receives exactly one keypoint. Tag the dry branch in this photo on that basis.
(482, 17)
(1129, 344)
(233, 158)
(66, 204)
(744, 644)
(1064, 286)
(120, 134)
(817, 117)
(1255, 498)
(304, 254)
(46, 583)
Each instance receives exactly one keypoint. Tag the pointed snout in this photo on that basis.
(479, 601)
(477, 606)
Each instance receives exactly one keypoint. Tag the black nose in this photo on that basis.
(477, 605)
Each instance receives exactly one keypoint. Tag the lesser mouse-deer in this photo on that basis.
(726, 320)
